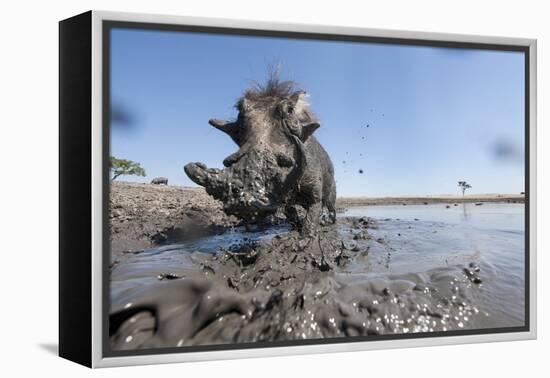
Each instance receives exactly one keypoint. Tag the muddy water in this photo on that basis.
(418, 268)
(427, 237)
(138, 270)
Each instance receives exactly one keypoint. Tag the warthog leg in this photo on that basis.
(311, 222)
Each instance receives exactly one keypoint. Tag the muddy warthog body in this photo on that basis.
(159, 181)
(279, 163)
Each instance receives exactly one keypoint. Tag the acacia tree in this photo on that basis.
(463, 185)
(123, 167)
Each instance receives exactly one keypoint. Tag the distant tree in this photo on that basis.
(463, 185)
(123, 167)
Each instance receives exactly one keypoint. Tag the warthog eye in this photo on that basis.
(284, 161)
(284, 109)
(289, 109)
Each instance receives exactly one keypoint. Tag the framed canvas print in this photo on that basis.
(233, 189)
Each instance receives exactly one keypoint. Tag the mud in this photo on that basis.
(408, 269)
(281, 286)
(143, 215)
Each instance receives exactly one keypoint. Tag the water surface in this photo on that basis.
(425, 237)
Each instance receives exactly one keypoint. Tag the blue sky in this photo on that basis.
(435, 115)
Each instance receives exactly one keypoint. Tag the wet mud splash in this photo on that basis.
(273, 286)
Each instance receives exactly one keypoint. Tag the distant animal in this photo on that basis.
(159, 181)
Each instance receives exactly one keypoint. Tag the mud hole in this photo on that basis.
(278, 286)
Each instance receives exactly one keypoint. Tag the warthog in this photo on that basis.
(159, 181)
(279, 163)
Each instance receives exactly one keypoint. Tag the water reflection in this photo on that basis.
(465, 214)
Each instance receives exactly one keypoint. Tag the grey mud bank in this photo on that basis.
(144, 215)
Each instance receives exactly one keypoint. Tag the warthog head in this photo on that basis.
(272, 125)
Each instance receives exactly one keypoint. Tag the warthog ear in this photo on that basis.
(308, 130)
(230, 128)
(298, 102)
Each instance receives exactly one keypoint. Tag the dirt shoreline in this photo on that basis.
(428, 200)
